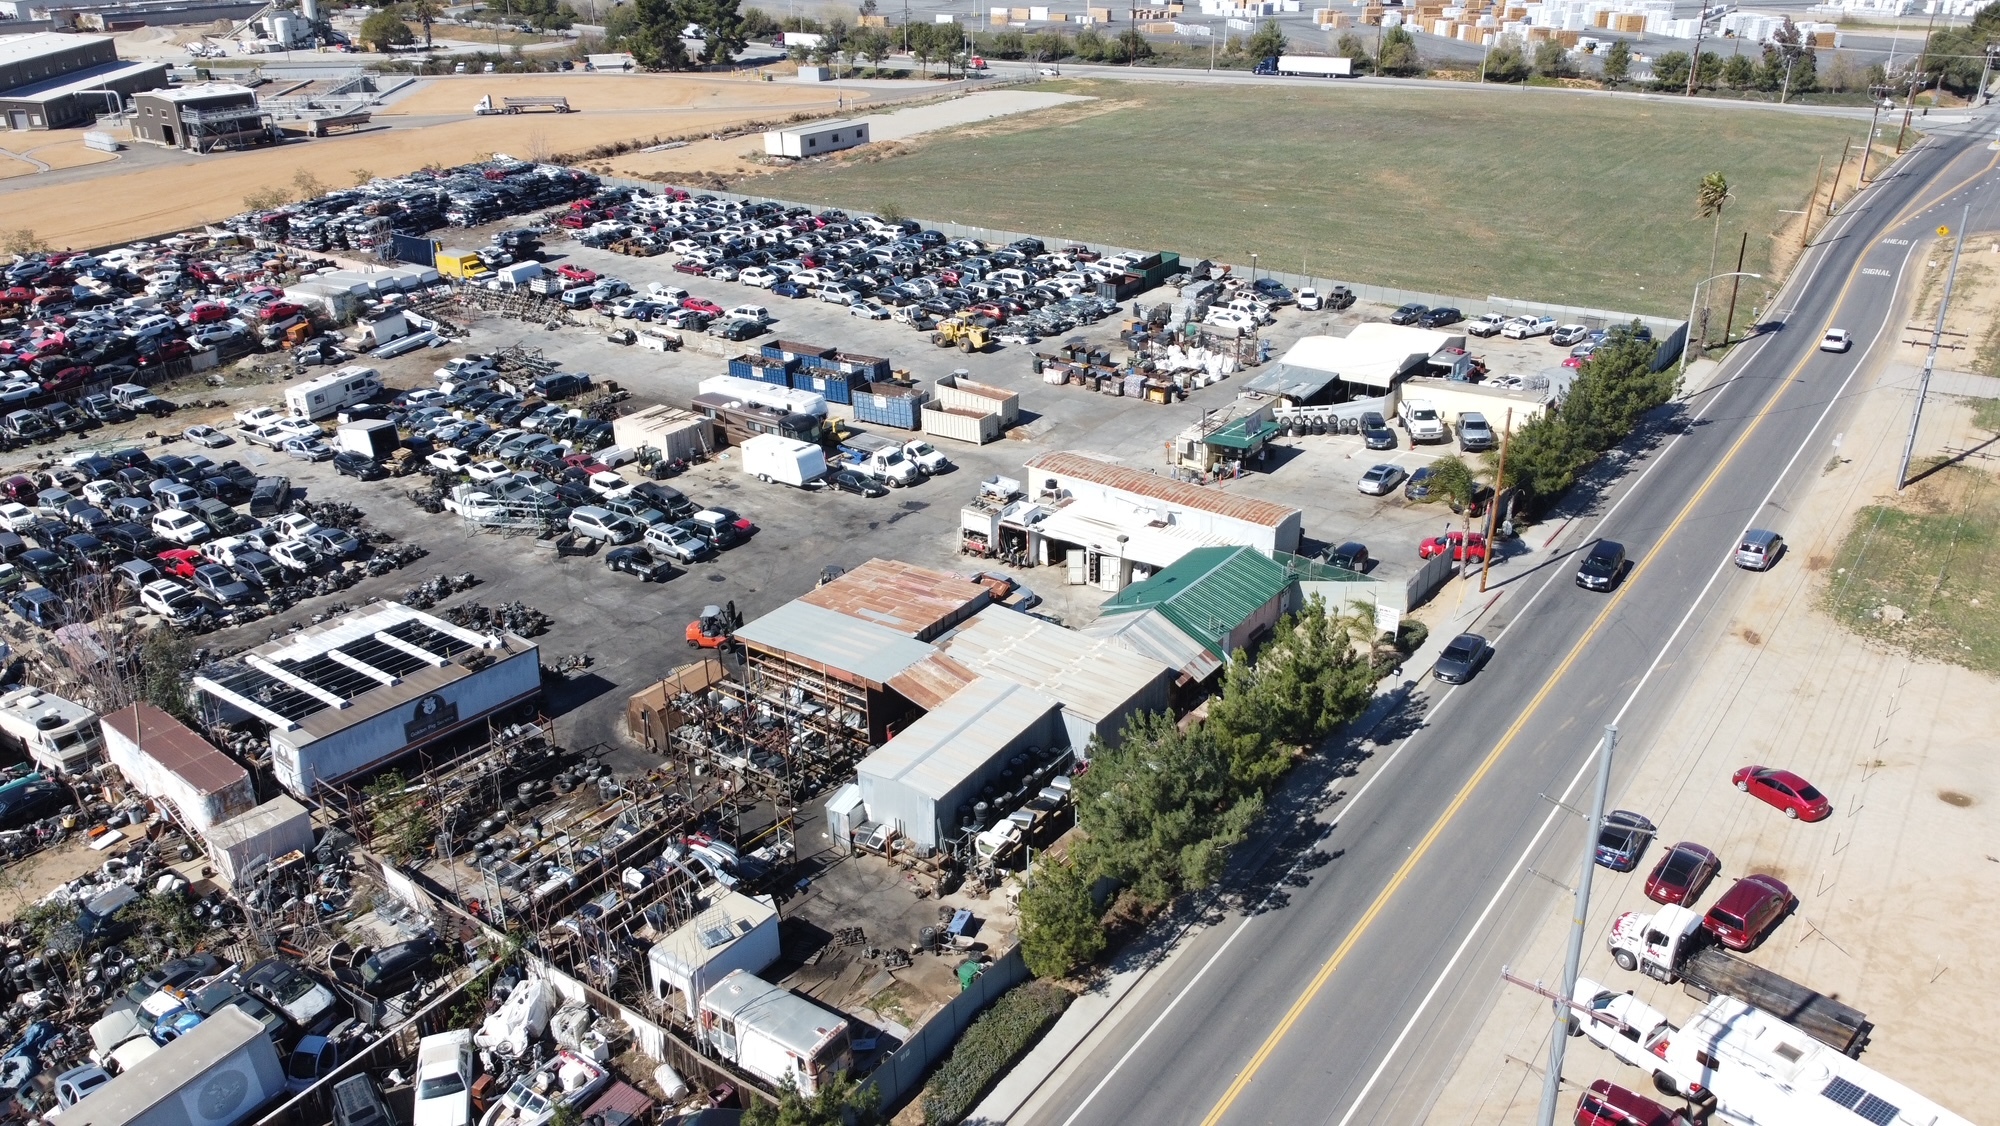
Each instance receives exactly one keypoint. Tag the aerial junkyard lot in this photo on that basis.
(399, 659)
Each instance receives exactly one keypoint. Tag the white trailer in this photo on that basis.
(772, 457)
(370, 437)
(773, 1033)
(762, 394)
(54, 733)
(318, 398)
(1316, 66)
(515, 276)
(218, 1074)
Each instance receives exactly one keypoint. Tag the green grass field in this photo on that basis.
(1566, 199)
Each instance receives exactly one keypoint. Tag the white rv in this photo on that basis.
(54, 733)
(318, 398)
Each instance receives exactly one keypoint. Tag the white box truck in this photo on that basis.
(52, 732)
(1310, 66)
(369, 437)
(773, 1033)
(318, 398)
(770, 457)
(220, 1073)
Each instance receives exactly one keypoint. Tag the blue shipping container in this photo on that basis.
(903, 411)
(762, 370)
(834, 386)
(870, 368)
(794, 351)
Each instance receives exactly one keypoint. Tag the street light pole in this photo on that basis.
(1687, 341)
(1573, 960)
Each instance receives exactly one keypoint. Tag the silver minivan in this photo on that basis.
(602, 524)
(1759, 550)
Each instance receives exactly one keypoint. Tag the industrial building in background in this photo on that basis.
(51, 81)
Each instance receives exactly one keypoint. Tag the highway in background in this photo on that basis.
(1352, 993)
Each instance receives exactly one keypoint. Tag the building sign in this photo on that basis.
(433, 714)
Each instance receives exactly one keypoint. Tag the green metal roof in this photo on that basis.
(1241, 435)
(1208, 593)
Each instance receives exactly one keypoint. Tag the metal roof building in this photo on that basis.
(914, 601)
(1367, 361)
(1097, 681)
(49, 80)
(828, 660)
(1221, 597)
(164, 759)
(352, 694)
(925, 781)
(1149, 634)
(1123, 492)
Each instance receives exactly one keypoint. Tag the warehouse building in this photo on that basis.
(1149, 633)
(1098, 682)
(929, 782)
(1113, 525)
(815, 138)
(836, 665)
(165, 760)
(1224, 599)
(54, 81)
(914, 601)
(732, 931)
(349, 696)
(211, 117)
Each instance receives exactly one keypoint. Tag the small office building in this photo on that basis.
(210, 117)
(1223, 598)
(816, 138)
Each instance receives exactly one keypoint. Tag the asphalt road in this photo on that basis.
(1348, 985)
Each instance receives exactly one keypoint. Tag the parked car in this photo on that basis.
(1461, 546)
(639, 561)
(602, 524)
(393, 970)
(1622, 839)
(1349, 556)
(1603, 567)
(1461, 658)
(1605, 1103)
(207, 436)
(1784, 790)
(1380, 480)
(221, 584)
(24, 804)
(1377, 437)
(359, 466)
(171, 600)
(1408, 314)
(1759, 550)
(860, 484)
(1748, 911)
(1682, 874)
(1474, 434)
(1438, 318)
(1568, 335)
(1521, 328)
(1485, 324)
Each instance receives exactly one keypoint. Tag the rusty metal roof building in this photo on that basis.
(164, 759)
(1151, 634)
(914, 601)
(932, 681)
(1211, 510)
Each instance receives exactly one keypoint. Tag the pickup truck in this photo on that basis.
(1422, 420)
(880, 458)
(1521, 328)
(1486, 324)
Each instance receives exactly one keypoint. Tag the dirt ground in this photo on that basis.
(205, 189)
(1900, 745)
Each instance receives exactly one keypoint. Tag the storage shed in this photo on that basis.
(237, 846)
(1222, 597)
(164, 759)
(674, 432)
(815, 138)
(925, 781)
(1369, 360)
(731, 932)
(1098, 682)
(653, 712)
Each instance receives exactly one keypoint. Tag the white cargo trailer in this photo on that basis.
(764, 394)
(773, 1033)
(772, 457)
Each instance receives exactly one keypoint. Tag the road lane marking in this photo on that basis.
(1486, 765)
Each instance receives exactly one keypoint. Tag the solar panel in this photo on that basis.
(325, 672)
(1877, 1111)
(1866, 1106)
(271, 693)
(428, 639)
(1845, 1093)
(381, 655)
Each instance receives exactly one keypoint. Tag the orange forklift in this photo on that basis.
(716, 628)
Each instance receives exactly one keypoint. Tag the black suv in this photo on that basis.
(1602, 567)
(347, 463)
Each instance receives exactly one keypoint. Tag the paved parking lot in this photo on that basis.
(634, 632)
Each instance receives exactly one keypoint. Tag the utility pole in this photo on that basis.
(1837, 170)
(1694, 60)
(1493, 510)
(1812, 202)
(1868, 146)
(1986, 68)
(1572, 961)
(1730, 324)
(1930, 358)
(1916, 81)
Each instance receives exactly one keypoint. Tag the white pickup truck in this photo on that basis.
(1422, 420)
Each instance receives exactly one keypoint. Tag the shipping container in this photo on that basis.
(900, 407)
(776, 372)
(793, 350)
(961, 425)
(851, 364)
(959, 392)
(833, 386)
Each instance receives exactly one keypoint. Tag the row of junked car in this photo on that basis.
(875, 268)
(162, 531)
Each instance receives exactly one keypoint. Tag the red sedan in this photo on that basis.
(701, 305)
(1461, 545)
(1682, 874)
(1748, 911)
(1608, 1104)
(180, 562)
(1785, 790)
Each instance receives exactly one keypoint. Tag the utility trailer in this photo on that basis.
(520, 105)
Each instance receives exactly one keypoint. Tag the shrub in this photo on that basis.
(1000, 1036)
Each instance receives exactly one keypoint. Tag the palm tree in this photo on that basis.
(1709, 200)
(425, 11)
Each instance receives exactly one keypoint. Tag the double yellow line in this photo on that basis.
(1464, 793)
